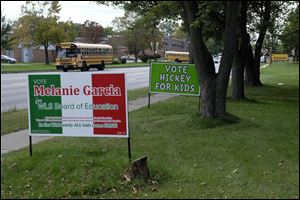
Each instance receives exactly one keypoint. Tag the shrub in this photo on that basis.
(123, 61)
(146, 57)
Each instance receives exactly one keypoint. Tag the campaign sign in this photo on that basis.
(174, 78)
(78, 104)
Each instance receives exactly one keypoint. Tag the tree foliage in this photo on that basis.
(91, 32)
(290, 35)
(6, 29)
(137, 31)
(39, 25)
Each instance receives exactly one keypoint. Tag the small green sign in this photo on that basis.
(174, 78)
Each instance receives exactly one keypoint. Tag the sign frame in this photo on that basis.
(126, 135)
(123, 110)
(172, 93)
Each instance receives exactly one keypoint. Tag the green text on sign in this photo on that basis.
(174, 78)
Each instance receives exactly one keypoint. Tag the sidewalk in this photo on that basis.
(20, 139)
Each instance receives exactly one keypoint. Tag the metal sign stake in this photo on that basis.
(30, 146)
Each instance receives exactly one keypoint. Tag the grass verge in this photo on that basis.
(252, 153)
(13, 120)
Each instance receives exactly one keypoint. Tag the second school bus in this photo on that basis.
(177, 56)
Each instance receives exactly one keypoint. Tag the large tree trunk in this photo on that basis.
(213, 88)
(230, 43)
(297, 54)
(249, 65)
(239, 60)
(238, 77)
(202, 58)
(262, 32)
(46, 54)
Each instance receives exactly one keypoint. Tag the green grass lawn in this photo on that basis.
(27, 67)
(252, 153)
(23, 67)
(8, 121)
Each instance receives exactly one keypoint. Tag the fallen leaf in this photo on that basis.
(134, 190)
(229, 176)
(127, 178)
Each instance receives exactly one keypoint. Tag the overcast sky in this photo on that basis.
(77, 11)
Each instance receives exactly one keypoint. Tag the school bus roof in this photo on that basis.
(178, 52)
(85, 45)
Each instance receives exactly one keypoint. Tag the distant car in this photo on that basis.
(8, 59)
(127, 57)
(262, 59)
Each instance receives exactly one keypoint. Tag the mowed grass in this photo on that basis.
(252, 153)
(24, 67)
(13, 120)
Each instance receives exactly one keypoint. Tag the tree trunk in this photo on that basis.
(256, 67)
(249, 65)
(297, 54)
(238, 77)
(46, 54)
(262, 32)
(239, 60)
(202, 58)
(136, 52)
(213, 88)
(230, 43)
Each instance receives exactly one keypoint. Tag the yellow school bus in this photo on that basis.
(82, 56)
(177, 56)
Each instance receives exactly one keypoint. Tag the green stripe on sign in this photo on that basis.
(45, 112)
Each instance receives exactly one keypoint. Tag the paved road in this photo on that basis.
(14, 86)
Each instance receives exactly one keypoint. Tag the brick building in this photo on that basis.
(170, 44)
(30, 54)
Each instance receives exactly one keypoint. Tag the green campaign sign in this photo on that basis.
(174, 78)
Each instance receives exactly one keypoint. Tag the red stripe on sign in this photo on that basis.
(109, 104)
